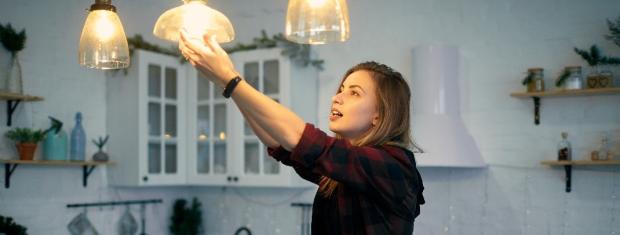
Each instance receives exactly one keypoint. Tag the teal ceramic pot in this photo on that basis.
(55, 146)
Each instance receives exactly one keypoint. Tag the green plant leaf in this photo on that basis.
(11, 39)
(562, 78)
(614, 31)
(528, 78)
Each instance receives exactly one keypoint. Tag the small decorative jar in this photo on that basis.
(574, 81)
(535, 80)
(605, 79)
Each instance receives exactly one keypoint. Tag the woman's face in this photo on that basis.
(354, 108)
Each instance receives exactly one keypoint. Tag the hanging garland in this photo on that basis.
(299, 53)
(137, 42)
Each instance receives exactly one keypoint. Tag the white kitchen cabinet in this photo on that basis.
(232, 154)
(168, 125)
(145, 112)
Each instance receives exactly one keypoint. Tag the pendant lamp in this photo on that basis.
(103, 44)
(197, 18)
(317, 21)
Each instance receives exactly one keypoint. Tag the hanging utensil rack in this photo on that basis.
(142, 204)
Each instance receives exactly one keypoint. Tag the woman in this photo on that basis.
(368, 181)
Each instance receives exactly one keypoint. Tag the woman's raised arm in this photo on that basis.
(278, 121)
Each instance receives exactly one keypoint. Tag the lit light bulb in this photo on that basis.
(168, 136)
(104, 27)
(222, 136)
(202, 137)
(317, 21)
(197, 19)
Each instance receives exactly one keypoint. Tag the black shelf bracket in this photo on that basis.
(11, 105)
(536, 110)
(8, 171)
(86, 172)
(569, 176)
(9, 168)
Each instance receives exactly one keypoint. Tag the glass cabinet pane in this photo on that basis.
(203, 87)
(154, 158)
(271, 77)
(250, 73)
(154, 80)
(251, 158)
(219, 158)
(219, 121)
(171, 121)
(270, 165)
(171, 83)
(171, 158)
(203, 123)
(202, 159)
(154, 122)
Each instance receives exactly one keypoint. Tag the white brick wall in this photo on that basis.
(498, 41)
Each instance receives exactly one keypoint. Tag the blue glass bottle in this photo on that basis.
(78, 140)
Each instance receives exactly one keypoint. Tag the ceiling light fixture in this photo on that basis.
(103, 44)
(317, 21)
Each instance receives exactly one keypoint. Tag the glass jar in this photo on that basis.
(605, 78)
(604, 153)
(537, 82)
(574, 80)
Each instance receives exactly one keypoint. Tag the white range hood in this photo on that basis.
(436, 116)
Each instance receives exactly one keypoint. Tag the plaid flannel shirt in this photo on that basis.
(380, 189)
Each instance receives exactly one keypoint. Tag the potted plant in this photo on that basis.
(26, 141)
(597, 78)
(8, 226)
(101, 156)
(13, 42)
(184, 220)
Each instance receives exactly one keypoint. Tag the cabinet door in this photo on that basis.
(209, 147)
(257, 168)
(163, 138)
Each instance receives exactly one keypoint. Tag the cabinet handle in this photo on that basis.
(235, 178)
(145, 178)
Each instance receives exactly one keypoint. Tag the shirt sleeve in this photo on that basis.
(371, 170)
(283, 156)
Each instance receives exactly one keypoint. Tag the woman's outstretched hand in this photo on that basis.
(208, 57)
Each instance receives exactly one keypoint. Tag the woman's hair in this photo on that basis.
(393, 128)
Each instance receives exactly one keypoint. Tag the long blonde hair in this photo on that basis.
(393, 128)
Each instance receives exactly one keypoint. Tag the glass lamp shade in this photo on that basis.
(317, 21)
(197, 18)
(103, 44)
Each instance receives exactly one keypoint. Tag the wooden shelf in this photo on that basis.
(568, 167)
(56, 163)
(12, 101)
(15, 96)
(582, 163)
(562, 93)
(87, 167)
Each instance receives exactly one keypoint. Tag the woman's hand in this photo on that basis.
(208, 57)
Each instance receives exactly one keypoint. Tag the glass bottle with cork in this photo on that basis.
(564, 148)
